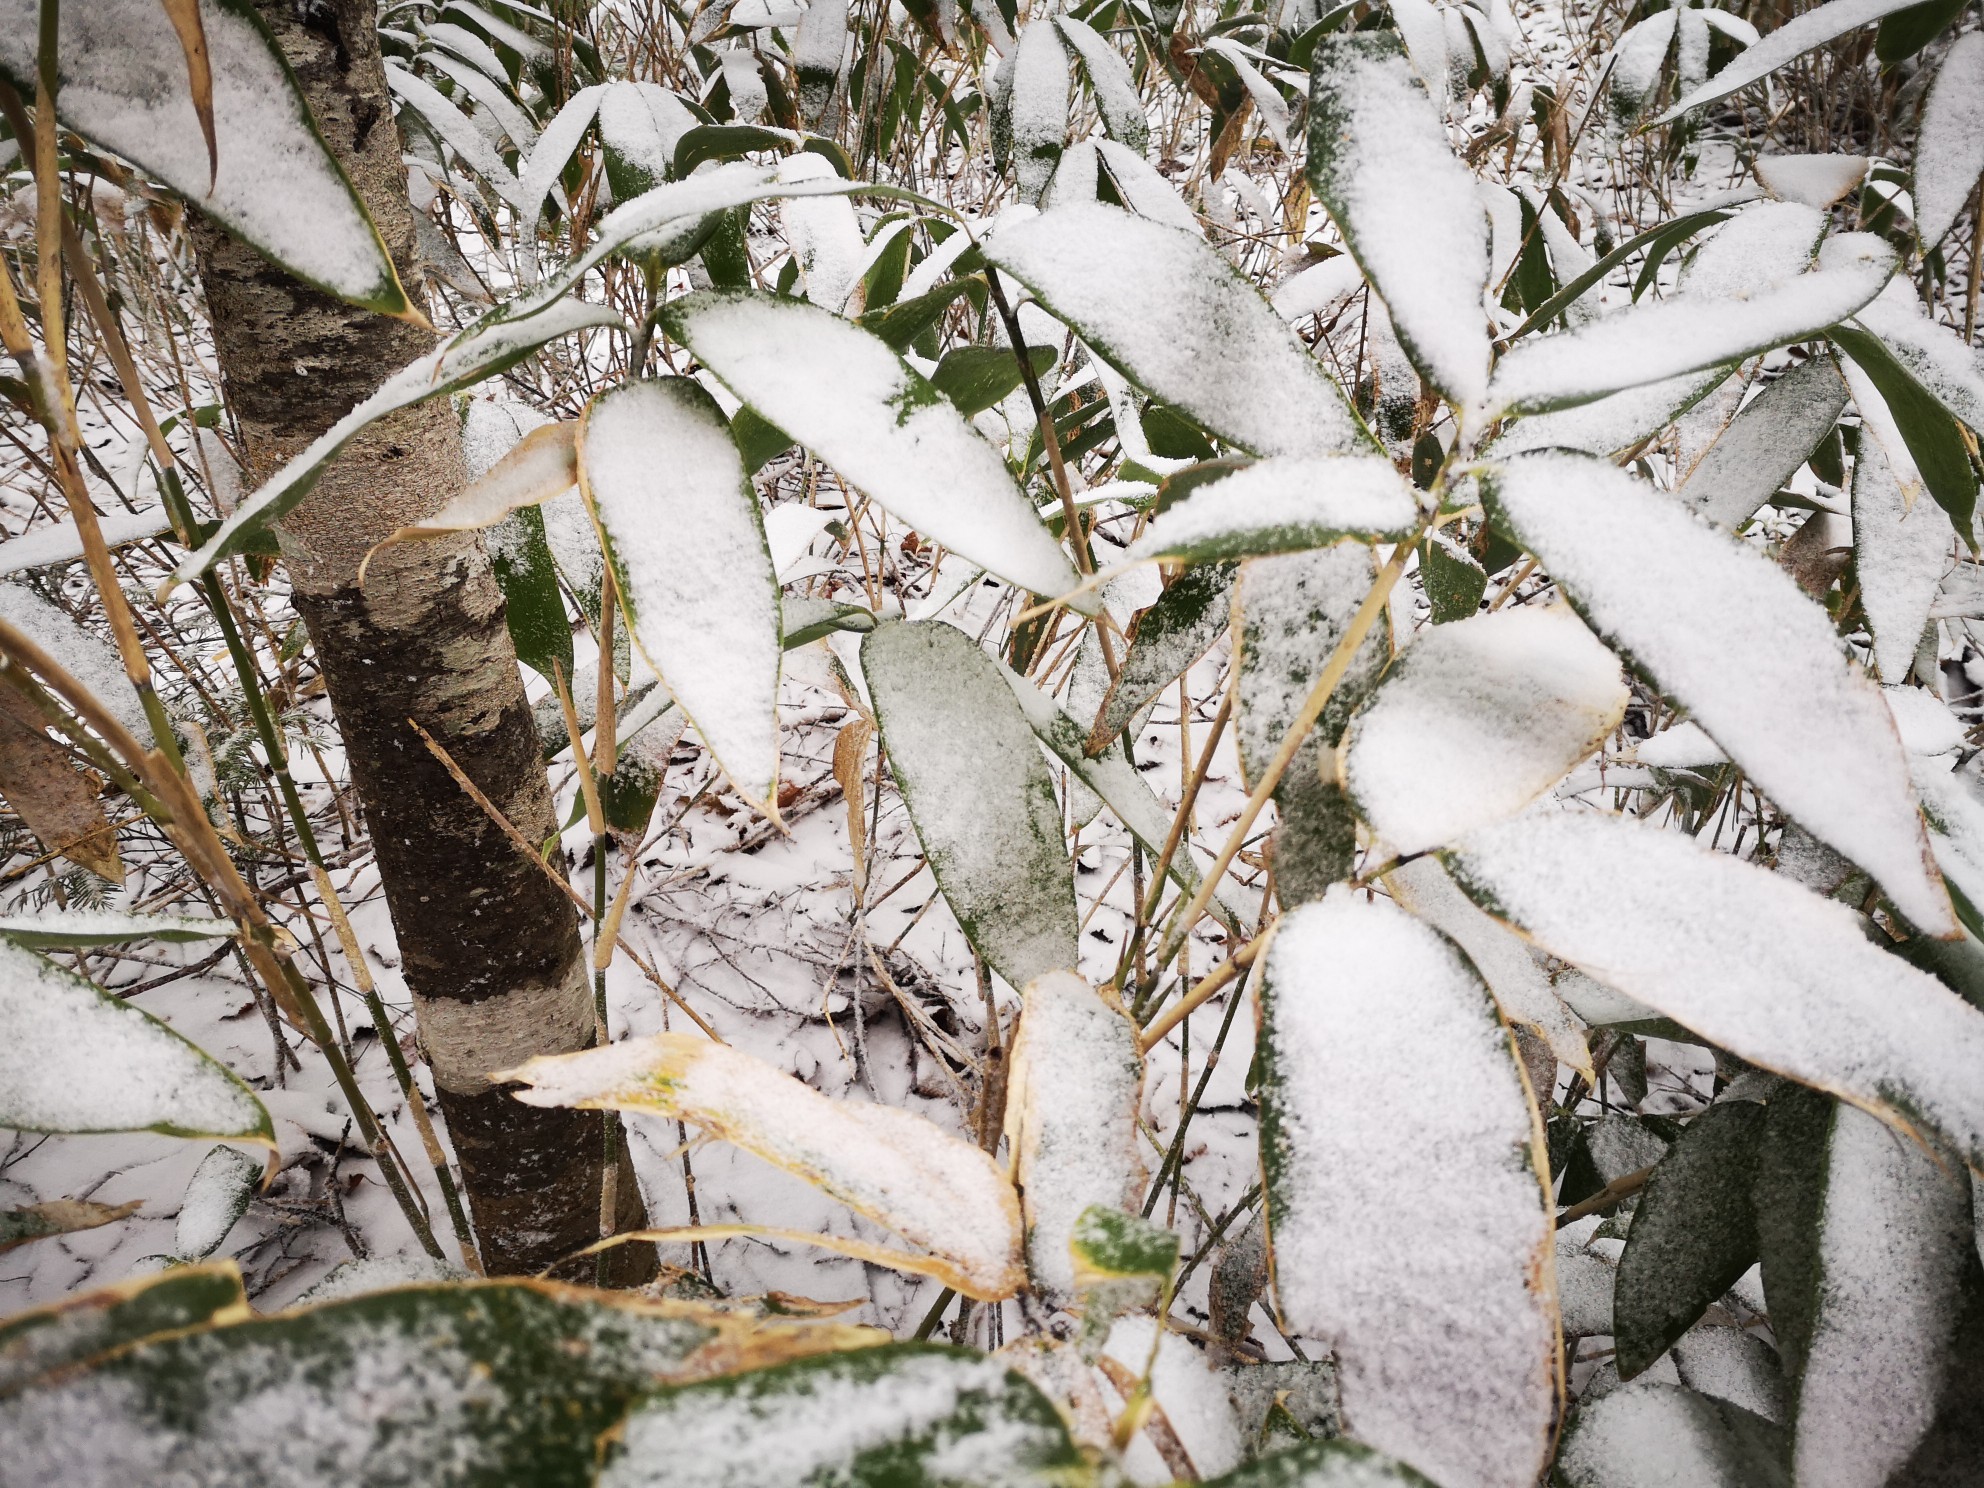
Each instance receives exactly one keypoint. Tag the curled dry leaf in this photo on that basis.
(899, 1170)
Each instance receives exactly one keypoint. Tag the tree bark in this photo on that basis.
(490, 949)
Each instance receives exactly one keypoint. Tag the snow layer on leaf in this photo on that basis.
(538, 173)
(1647, 342)
(1380, 161)
(1728, 634)
(1181, 323)
(1611, 425)
(1933, 353)
(1039, 105)
(1680, 746)
(88, 927)
(1446, 1352)
(748, 95)
(1732, 1365)
(1814, 180)
(978, 793)
(681, 523)
(906, 1413)
(1475, 721)
(1765, 444)
(843, 393)
(1653, 1435)
(1802, 33)
(1518, 983)
(1071, 1117)
(60, 542)
(122, 84)
(1893, 1242)
(1143, 190)
(931, 1188)
(824, 234)
(1637, 61)
(642, 123)
(454, 128)
(81, 653)
(1285, 505)
(1116, 96)
(1899, 554)
(218, 1196)
(1748, 959)
(74, 1059)
(1763, 246)
(1949, 154)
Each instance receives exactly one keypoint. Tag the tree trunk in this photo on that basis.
(489, 946)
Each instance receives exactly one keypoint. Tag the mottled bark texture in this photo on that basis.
(489, 946)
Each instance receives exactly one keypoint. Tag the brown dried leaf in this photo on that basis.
(50, 795)
(185, 18)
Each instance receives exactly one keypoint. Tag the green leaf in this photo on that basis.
(477, 1386)
(681, 526)
(903, 1416)
(1729, 635)
(1693, 1235)
(1408, 209)
(75, 1059)
(1334, 1463)
(476, 354)
(1287, 504)
(1927, 427)
(843, 393)
(1180, 322)
(978, 377)
(534, 609)
(1447, 1354)
(121, 84)
(88, 1326)
(757, 440)
(1750, 960)
(1905, 32)
(804, 620)
(72, 928)
(1072, 1100)
(1194, 611)
(1454, 578)
(1647, 1433)
(978, 793)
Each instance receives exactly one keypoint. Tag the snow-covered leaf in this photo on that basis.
(61, 542)
(448, 1385)
(1933, 353)
(1797, 36)
(457, 365)
(843, 393)
(1072, 1100)
(1727, 633)
(75, 1059)
(1899, 554)
(1475, 721)
(1693, 1234)
(1446, 1354)
(444, 118)
(1913, 424)
(1290, 613)
(1813, 180)
(1194, 611)
(1637, 62)
(1765, 444)
(900, 1416)
(1648, 342)
(1181, 323)
(1116, 97)
(1650, 1435)
(933, 1189)
(1142, 189)
(538, 173)
(1039, 105)
(1521, 988)
(1751, 961)
(819, 52)
(215, 1200)
(1615, 424)
(680, 523)
(1284, 505)
(71, 928)
(978, 792)
(1272, 107)
(42, 1340)
(1380, 161)
(824, 233)
(1949, 153)
(121, 83)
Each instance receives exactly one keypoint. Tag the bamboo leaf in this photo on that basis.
(72, 928)
(1194, 611)
(60, 1217)
(896, 1168)
(680, 523)
(1765, 444)
(50, 795)
(1446, 1354)
(1647, 1433)
(1284, 505)
(843, 393)
(215, 1200)
(1729, 635)
(1334, 1463)
(75, 1059)
(1949, 155)
(978, 793)
(89, 1325)
(1749, 960)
